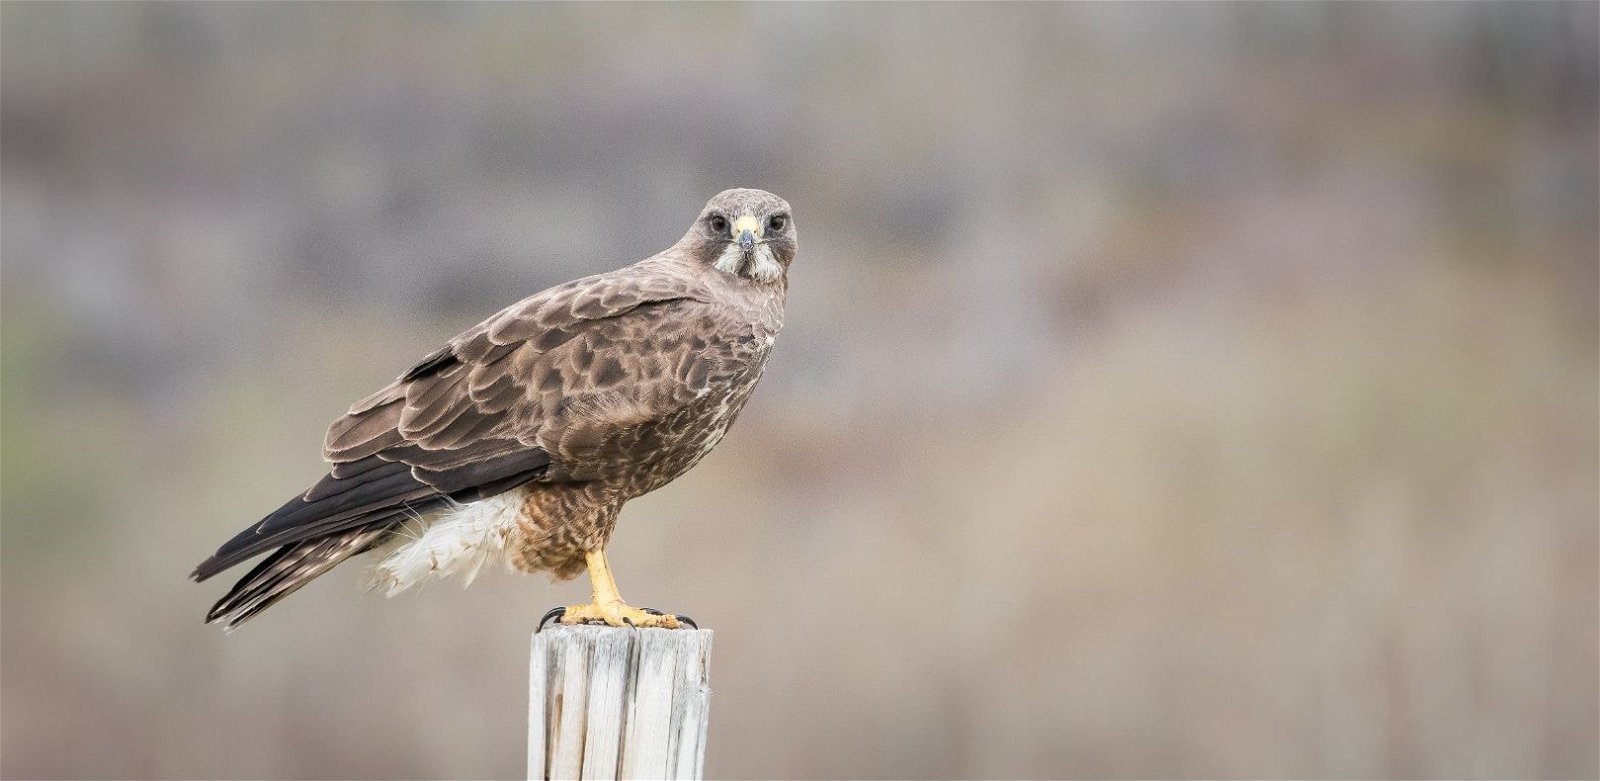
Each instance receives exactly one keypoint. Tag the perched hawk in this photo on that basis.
(519, 441)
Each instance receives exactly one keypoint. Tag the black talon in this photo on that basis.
(628, 621)
(555, 612)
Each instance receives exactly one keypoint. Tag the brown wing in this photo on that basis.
(475, 417)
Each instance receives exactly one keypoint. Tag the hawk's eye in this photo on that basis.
(777, 221)
(718, 223)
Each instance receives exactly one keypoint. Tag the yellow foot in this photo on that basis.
(618, 613)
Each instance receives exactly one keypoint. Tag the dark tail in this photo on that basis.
(293, 566)
(346, 513)
(350, 497)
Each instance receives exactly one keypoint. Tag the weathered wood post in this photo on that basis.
(610, 703)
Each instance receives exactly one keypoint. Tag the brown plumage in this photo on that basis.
(521, 439)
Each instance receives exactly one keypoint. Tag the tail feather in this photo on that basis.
(291, 567)
(354, 508)
(334, 504)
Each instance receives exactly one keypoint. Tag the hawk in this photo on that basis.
(519, 441)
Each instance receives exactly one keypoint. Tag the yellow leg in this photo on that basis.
(605, 603)
(602, 584)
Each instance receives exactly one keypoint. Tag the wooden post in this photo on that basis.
(618, 703)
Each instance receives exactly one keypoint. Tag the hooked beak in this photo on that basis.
(748, 230)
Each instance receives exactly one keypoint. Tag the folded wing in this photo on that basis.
(467, 422)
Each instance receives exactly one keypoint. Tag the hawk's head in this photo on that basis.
(749, 233)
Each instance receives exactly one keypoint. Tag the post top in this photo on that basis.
(555, 629)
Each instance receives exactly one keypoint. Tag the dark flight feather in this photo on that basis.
(291, 567)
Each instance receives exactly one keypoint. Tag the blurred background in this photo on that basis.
(1200, 391)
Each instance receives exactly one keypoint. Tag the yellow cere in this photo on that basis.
(747, 222)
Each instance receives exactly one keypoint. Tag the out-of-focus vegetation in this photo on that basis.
(1202, 390)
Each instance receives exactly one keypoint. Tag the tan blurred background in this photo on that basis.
(1202, 390)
